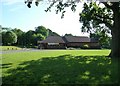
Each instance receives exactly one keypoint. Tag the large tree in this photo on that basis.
(9, 38)
(37, 37)
(20, 35)
(41, 30)
(101, 34)
(103, 39)
(29, 37)
(94, 15)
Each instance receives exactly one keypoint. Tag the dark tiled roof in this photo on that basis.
(94, 40)
(76, 39)
(53, 39)
(65, 39)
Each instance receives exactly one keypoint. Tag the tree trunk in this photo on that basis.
(115, 47)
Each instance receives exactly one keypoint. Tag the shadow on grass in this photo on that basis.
(6, 65)
(63, 70)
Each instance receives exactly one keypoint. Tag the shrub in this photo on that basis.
(85, 46)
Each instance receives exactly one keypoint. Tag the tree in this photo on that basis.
(51, 33)
(22, 39)
(41, 30)
(109, 15)
(3, 38)
(19, 34)
(6, 29)
(29, 37)
(9, 38)
(37, 37)
(0, 35)
(68, 34)
(92, 16)
(32, 37)
(101, 35)
(0, 29)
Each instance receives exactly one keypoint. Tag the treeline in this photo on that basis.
(19, 38)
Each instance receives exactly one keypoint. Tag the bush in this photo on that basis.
(86, 46)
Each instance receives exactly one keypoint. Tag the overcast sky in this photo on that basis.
(16, 14)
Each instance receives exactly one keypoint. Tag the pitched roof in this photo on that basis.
(65, 39)
(53, 39)
(94, 40)
(76, 39)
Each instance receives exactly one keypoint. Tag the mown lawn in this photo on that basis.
(59, 67)
(4, 48)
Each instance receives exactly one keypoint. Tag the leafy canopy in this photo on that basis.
(9, 37)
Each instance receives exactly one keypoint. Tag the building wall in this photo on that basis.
(92, 45)
(81, 45)
(73, 44)
(46, 46)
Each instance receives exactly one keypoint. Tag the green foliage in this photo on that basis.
(37, 37)
(39, 34)
(59, 4)
(0, 39)
(18, 32)
(22, 39)
(68, 34)
(2, 36)
(5, 29)
(101, 34)
(42, 30)
(93, 15)
(0, 29)
(20, 36)
(51, 33)
(86, 46)
(9, 37)
(29, 37)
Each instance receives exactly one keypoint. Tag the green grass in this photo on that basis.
(59, 67)
(4, 48)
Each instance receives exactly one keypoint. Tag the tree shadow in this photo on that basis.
(62, 70)
(6, 65)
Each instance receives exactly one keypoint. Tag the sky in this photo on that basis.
(16, 14)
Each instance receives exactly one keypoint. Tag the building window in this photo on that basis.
(53, 43)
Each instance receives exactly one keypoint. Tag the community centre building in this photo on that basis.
(58, 42)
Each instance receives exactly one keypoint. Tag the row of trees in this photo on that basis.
(29, 38)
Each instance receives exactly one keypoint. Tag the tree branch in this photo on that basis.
(108, 6)
(103, 22)
(104, 17)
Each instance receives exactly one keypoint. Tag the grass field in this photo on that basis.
(4, 48)
(59, 67)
